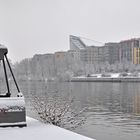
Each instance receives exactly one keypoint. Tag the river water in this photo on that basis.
(113, 108)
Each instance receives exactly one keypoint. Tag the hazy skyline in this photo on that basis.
(29, 27)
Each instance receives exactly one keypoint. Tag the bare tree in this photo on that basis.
(58, 110)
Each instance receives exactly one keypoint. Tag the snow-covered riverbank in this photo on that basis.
(36, 130)
(108, 77)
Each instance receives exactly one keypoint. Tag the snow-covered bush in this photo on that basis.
(58, 110)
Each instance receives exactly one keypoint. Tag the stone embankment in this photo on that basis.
(105, 79)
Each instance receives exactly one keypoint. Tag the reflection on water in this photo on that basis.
(113, 108)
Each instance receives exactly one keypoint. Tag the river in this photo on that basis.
(113, 108)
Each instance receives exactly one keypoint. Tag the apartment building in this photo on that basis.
(88, 54)
(130, 50)
(112, 52)
(136, 55)
(94, 54)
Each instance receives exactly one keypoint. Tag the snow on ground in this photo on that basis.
(109, 75)
(36, 130)
(112, 75)
(115, 75)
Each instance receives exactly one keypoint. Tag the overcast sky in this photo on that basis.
(28, 27)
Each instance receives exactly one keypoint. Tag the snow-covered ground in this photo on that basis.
(110, 75)
(36, 130)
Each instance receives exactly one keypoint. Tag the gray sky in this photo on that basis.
(28, 27)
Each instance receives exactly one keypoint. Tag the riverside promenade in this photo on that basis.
(106, 78)
(36, 130)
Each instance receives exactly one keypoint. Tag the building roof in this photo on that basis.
(82, 42)
(91, 42)
(77, 42)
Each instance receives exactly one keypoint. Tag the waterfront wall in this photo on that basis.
(93, 79)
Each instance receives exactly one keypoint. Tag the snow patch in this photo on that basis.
(12, 103)
(36, 130)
